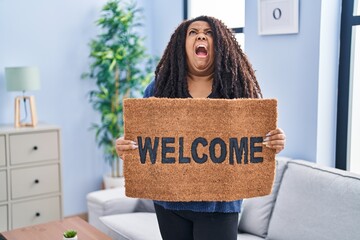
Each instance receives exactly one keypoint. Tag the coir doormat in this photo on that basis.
(199, 149)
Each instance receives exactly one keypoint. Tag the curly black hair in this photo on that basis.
(234, 76)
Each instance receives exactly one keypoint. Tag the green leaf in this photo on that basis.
(70, 233)
(119, 66)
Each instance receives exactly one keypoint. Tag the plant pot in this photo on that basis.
(73, 238)
(113, 182)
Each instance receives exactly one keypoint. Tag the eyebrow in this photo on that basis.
(196, 29)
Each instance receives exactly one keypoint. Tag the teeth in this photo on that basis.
(201, 45)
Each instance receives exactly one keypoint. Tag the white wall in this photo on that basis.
(54, 36)
(167, 15)
(300, 70)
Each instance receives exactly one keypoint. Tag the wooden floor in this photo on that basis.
(83, 216)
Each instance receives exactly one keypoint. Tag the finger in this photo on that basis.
(280, 137)
(278, 148)
(274, 132)
(274, 143)
(125, 143)
(123, 147)
(275, 140)
(122, 141)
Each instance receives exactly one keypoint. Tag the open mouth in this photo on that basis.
(201, 50)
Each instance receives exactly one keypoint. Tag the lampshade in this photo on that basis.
(22, 78)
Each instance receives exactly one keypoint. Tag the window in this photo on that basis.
(354, 106)
(348, 124)
(357, 7)
(232, 13)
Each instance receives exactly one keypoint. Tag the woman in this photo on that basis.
(203, 60)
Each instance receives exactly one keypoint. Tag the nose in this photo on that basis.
(201, 36)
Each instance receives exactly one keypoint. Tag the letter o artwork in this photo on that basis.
(277, 13)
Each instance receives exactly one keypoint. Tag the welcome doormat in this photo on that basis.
(199, 149)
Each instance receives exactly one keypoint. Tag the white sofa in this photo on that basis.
(308, 202)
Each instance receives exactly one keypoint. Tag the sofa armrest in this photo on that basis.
(108, 202)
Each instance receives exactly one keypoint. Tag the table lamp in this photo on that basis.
(23, 79)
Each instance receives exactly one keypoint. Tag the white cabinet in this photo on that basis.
(33, 147)
(3, 218)
(2, 151)
(37, 180)
(3, 186)
(30, 176)
(35, 212)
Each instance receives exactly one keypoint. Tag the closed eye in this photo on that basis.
(192, 32)
(209, 33)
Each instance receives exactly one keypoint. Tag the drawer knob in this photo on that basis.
(35, 148)
(36, 181)
(37, 214)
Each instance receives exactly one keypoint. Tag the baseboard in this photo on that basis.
(83, 216)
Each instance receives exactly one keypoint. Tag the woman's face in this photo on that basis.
(200, 49)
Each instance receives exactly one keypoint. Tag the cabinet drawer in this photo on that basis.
(33, 147)
(3, 218)
(34, 181)
(35, 212)
(3, 186)
(2, 150)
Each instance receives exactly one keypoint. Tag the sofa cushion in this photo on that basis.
(145, 205)
(246, 236)
(134, 226)
(256, 212)
(316, 203)
(108, 202)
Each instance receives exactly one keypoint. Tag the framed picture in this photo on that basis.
(278, 17)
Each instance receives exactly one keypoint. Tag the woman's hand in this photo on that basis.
(275, 139)
(123, 145)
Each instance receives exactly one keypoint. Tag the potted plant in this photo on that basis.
(121, 69)
(70, 234)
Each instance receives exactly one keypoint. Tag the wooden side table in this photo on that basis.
(55, 230)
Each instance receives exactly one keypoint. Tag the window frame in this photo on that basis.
(348, 20)
(186, 15)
